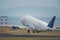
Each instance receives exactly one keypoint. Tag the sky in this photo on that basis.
(37, 8)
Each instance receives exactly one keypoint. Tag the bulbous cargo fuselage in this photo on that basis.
(32, 23)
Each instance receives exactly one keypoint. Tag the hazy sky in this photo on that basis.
(19, 8)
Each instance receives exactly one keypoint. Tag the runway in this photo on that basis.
(26, 35)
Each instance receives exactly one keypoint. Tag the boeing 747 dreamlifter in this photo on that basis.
(37, 25)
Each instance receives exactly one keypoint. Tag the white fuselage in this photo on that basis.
(35, 24)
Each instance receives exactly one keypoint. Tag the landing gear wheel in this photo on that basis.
(28, 31)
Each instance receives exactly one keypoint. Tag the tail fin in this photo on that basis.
(51, 23)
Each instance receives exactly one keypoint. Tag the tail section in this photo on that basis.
(51, 23)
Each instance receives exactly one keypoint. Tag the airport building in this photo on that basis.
(4, 21)
(9, 21)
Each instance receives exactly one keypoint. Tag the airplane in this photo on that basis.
(32, 23)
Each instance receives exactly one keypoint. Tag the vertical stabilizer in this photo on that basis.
(51, 23)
